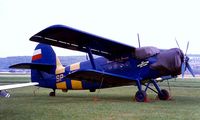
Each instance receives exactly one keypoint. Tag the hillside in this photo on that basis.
(67, 60)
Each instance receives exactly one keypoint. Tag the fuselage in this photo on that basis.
(131, 67)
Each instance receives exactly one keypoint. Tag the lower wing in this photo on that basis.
(6, 87)
(100, 76)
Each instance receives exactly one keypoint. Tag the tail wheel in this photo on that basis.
(92, 90)
(64, 90)
(164, 95)
(140, 96)
(52, 94)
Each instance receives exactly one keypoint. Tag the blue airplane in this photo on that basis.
(119, 64)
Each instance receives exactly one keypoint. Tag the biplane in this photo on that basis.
(117, 64)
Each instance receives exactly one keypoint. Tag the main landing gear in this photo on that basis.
(164, 95)
(141, 95)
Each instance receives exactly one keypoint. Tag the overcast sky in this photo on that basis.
(157, 21)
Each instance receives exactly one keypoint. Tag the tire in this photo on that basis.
(92, 90)
(52, 94)
(64, 90)
(164, 95)
(140, 96)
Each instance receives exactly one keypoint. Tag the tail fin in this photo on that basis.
(44, 66)
(44, 55)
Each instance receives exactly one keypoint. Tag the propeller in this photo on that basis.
(185, 65)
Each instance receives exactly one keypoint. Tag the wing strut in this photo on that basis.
(91, 58)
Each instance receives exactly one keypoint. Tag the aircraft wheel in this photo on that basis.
(64, 90)
(92, 90)
(164, 95)
(52, 94)
(140, 96)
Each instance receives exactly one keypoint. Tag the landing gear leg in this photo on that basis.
(53, 93)
(162, 94)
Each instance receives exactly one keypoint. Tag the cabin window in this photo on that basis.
(116, 65)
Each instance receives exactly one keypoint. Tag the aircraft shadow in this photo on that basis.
(95, 97)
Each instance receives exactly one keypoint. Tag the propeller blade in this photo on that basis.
(183, 69)
(190, 69)
(185, 63)
(187, 47)
(177, 43)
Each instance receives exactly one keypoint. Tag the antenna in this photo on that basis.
(138, 36)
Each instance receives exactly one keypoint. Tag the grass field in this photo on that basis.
(107, 104)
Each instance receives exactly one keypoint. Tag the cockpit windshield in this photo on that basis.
(145, 52)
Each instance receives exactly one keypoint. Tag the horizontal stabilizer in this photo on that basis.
(38, 66)
(99, 76)
(6, 87)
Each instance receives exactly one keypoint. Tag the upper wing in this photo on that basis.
(6, 87)
(70, 38)
(99, 76)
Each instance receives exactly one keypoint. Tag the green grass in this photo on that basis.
(107, 104)
(14, 78)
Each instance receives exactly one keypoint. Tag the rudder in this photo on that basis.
(44, 55)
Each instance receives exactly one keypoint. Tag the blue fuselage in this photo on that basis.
(132, 68)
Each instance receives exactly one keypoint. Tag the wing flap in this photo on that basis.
(70, 38)
(99, 76)
(6, 87)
